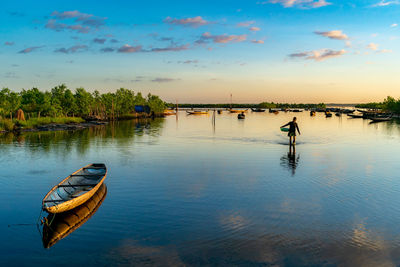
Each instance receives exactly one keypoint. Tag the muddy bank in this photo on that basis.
(62, 127)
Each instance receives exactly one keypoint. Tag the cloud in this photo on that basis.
(163, 80)
(172, 48)
(189, 22)
(394, 25)
(304, 4)
(257, 41)
(189, 62)
(384, 51)
(335, 35)
(221, 39)
(246, 23)
(29, 49)
(319, 55)
(373, 46)
(84, 23)
(9, 43)
(99, 40)
(72, 49)
(114, 41)
(254, 29)
(16, 14)
(58, 27)
(107, 49)
(130, 49)
(386, 3)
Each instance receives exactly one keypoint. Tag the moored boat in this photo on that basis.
(258, 110)
(168, 112)
(381, 119)
(312, 113)
(237, 110)
(197, 112)
(241, 116)
(76, 189)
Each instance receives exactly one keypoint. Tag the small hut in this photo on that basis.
(20, 115)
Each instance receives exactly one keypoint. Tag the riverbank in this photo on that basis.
(46, 124)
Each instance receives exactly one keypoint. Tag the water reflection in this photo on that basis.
(60, 225)
(64, 142)
(290, 161)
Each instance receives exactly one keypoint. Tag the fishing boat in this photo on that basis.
(59, 226)
(355, 116)
(237, 110)
(381, 119)
(328, 114)
(258, 110)
(76, 189)
(338, 114)
(197, 112)
(312, 113)
(168, 112)
(241, 116)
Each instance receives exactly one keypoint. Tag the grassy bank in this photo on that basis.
(8, 124)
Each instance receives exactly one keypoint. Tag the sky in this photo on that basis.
(202, 51)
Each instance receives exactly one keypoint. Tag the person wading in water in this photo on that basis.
(292, 131)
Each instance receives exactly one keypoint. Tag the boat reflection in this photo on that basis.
(290, 161)
(60, 225)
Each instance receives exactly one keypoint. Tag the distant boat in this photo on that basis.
(237, 110)
(328, 114)
(312, 113)
(197, 112)
(297, 110)
(381, 119)
(338, 114)
(76, 189)
(67, 222)
(168, 112)
(219, 111)
(241, 116)
(355, 116)
(258, 110)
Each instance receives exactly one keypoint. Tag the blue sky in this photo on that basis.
(201, 51)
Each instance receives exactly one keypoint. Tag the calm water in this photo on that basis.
(183, 193)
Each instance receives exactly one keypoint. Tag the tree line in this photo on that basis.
(61, 101)
(390, 104)
(260, 105)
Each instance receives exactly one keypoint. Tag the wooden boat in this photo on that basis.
(63, 224)
(381, 119)
(237, 110)
(355, 116)
(168, 112)
(197, 112)
(76, 189)
(258, 110)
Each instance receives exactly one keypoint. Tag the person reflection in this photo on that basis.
(291, 161)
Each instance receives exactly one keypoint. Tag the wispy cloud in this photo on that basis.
(171, 48)
(221, 39)
(306, 4)
(394, 25)
(9, 43)
(130, 49)
(336, 35)
(107, 50)
(245, 23)
(30, 49)
(319, 55)
(189, 22)
(99, 40)
(254, 29)
(72, 49)
(373, 46)
(188, 62)
(163, 80)
(257, 41)
(386, 3)
(82, 22)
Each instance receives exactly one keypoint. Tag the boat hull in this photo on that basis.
(74, 202)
